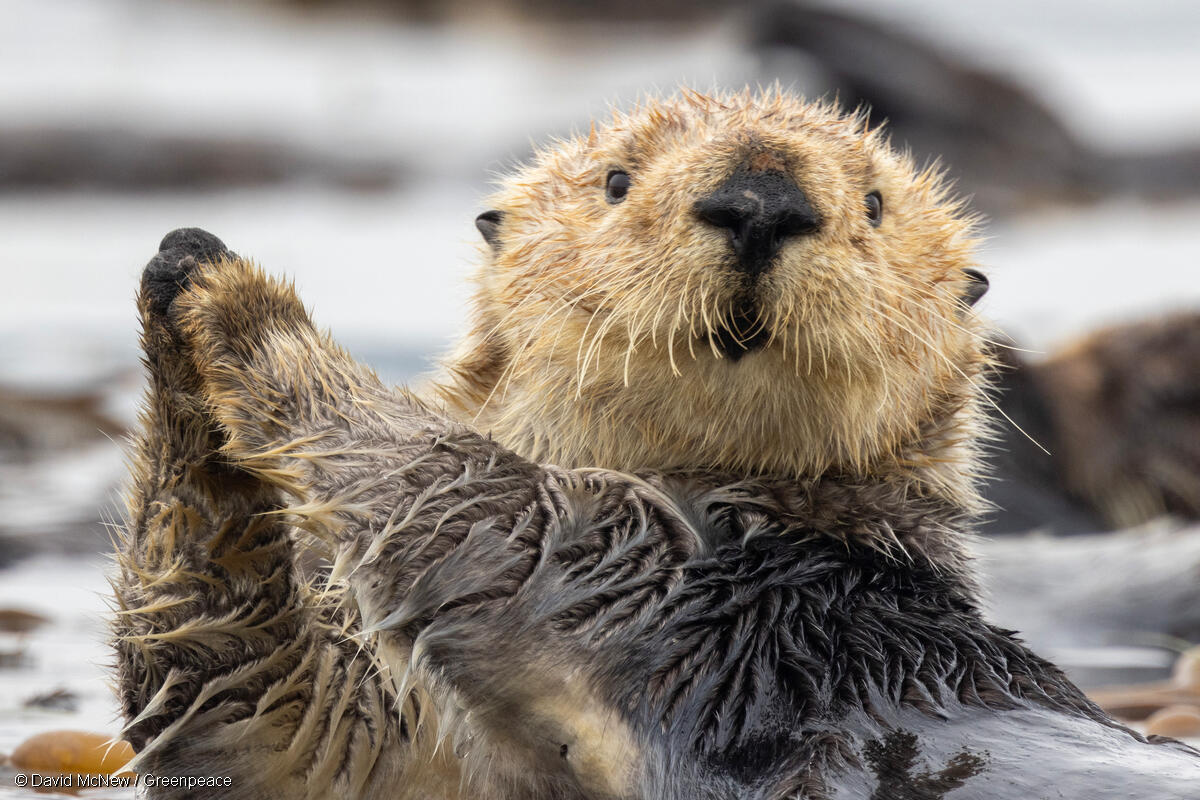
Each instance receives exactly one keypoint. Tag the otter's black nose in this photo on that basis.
(759, 210)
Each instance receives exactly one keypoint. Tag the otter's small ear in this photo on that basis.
(488, 224)
(977, 288)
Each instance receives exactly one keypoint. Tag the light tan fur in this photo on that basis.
(593, 327)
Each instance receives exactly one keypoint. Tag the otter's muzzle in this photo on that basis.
(760, 210)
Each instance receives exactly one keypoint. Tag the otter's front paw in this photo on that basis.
(208, 315)
(177, 404)
(169, 273)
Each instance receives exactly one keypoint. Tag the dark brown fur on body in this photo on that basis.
(494, 628)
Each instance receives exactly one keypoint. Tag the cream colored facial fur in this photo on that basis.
(593, 339)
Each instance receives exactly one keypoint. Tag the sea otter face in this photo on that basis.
(746, 282)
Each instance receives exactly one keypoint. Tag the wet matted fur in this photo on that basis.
(494, 627)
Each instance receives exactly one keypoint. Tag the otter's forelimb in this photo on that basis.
(266, 444)
(225, 653)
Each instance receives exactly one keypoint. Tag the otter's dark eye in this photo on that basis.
(874, 202)
(617, 186)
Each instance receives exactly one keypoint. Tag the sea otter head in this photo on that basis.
(747, 282)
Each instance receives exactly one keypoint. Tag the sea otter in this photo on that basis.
(682, 519)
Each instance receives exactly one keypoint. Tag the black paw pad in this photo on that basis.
(169, 272)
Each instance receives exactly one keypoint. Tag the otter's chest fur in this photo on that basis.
(744, 639)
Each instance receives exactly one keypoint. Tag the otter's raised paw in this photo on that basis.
(169, 272)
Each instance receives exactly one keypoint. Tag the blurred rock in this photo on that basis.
(1175, 721)
(1119, 413)
(1005, 147)
(17, 658)
(572, 10)
(15, 626)
(72, 751)
(56, 700)
(20, 621)
(114, 158)
(60, 463)
(32, 422)
(1147, 700)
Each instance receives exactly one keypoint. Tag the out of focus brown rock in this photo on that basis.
(1140, 701)
(20, 621)
(33, 420)
(1175, 721)
(72, 751)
